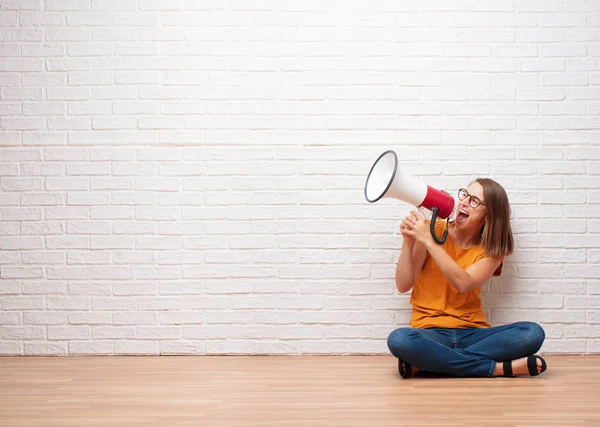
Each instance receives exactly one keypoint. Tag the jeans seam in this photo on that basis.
(437, 342)
(481, 339)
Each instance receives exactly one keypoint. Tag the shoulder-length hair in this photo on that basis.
(496, 235)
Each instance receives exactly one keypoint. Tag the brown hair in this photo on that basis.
(496, 236)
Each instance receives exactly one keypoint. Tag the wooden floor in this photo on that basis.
(286, 391)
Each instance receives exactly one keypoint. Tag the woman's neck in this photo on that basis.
(465, 239)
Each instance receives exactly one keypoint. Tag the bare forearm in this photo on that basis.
(404, 268)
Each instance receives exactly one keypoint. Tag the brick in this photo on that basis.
(68, 303)
(23, 333)
(113, 303)
(181, 318)
(91, 348)
(88, 18)
(68, 273)
(137, 19)
(22, 303)
(10, 318)
(158, 332)
(44, 287)
(45, 348)
(87, 288)
(135, 318)
(88, 227)
(11, 348)
(134, 257)
(21, 243)
(69, 333)
(137, 347)
(88, 257)
(7, 272)
(10, 287)
(87, 318)
(112, 332)
(182, 347)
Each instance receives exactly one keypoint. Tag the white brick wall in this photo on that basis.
(185, 177)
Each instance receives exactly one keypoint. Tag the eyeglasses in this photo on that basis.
(474, 201)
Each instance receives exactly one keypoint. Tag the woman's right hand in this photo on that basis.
(405, 225)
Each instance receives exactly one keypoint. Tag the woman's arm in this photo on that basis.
(410, 263)
(463, 280)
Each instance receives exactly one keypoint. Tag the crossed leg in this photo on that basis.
(478, 353)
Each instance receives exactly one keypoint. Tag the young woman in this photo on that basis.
(449, 333)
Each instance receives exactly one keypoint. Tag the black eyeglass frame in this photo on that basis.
(471, 198)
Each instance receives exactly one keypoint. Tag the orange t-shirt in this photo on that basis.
(436, 304)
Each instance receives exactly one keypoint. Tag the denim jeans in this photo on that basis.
(465, 352)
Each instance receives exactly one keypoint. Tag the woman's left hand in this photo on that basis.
(416, 227)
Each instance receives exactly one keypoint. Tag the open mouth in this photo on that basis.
(462, 216)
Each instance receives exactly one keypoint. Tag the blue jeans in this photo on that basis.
(465, 352)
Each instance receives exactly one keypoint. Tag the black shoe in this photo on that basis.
(531, 366)
(406, 370)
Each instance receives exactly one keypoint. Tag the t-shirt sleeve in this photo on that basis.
(499, 269)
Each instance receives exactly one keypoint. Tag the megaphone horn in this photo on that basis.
(387, 180)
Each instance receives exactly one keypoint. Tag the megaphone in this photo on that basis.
(387, 180)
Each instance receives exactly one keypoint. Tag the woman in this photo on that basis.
(449, 333)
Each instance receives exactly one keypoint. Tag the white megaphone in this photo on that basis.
(385, 179)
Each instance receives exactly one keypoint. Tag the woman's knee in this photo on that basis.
(533, 334)
(397, 341)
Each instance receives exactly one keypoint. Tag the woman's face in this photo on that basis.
(467, 217)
